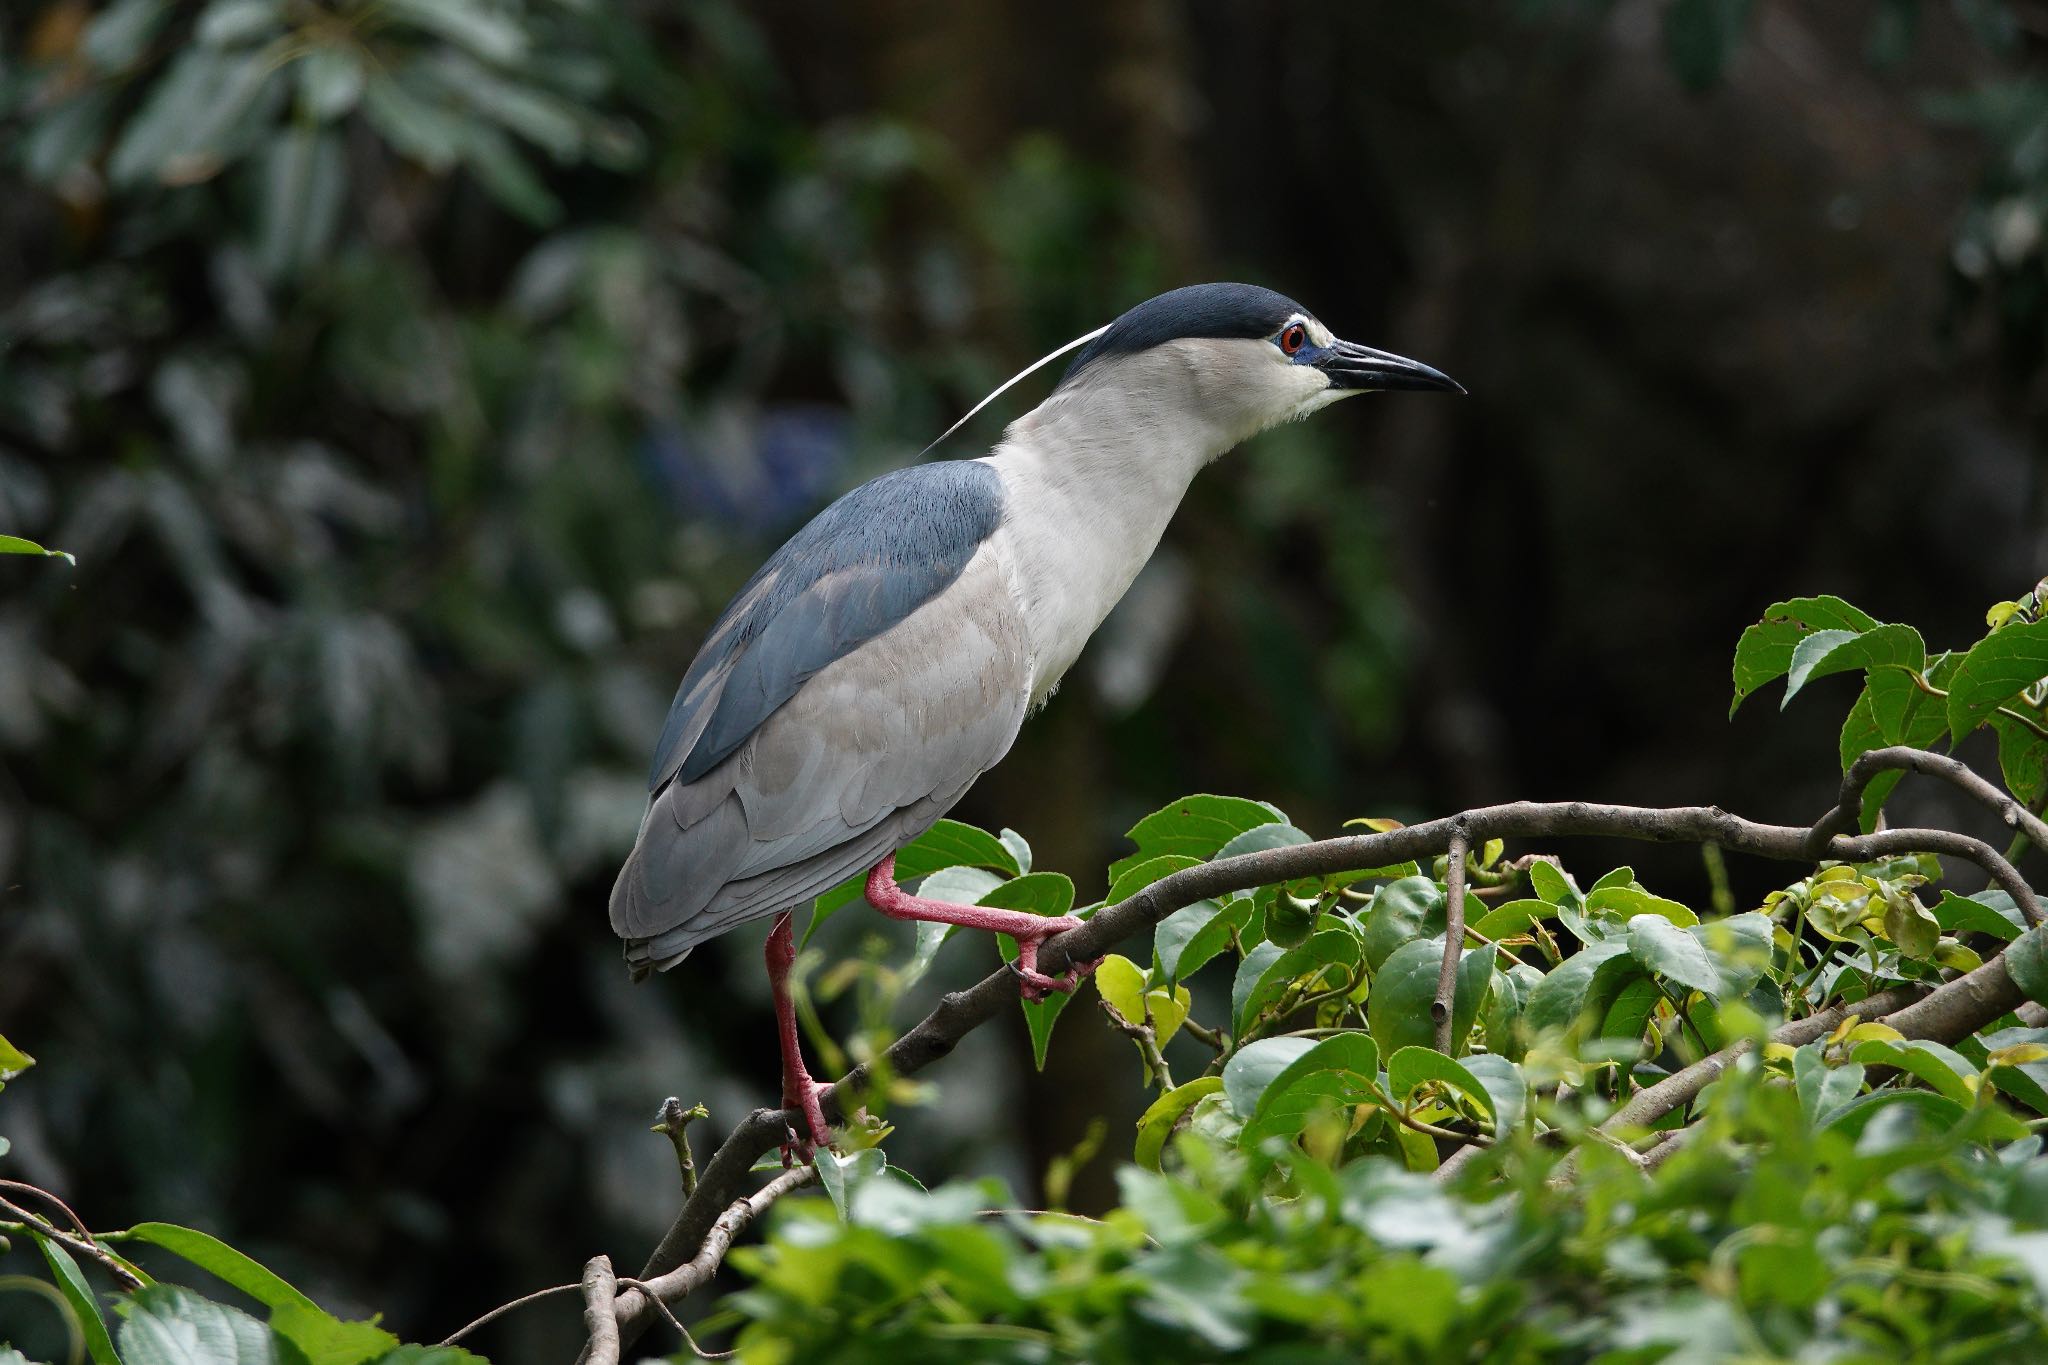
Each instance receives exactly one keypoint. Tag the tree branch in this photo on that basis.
(600, 1292)
(632, 1308)
(1848, 811)
(960, 1012)
(1443, 1006)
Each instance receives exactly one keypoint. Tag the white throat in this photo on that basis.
(1092, 476)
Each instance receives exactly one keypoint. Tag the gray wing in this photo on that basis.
(860, 566)
(858, 757)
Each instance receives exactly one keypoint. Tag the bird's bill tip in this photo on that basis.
(1352, 366)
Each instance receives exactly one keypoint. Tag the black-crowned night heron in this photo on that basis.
(885, 657)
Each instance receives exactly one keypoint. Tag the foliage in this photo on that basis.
(1859, 1196)
(1899, 1239)
(1856, 1195)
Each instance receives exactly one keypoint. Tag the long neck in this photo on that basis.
(1091, 478)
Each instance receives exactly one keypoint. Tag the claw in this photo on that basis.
(806, 1102)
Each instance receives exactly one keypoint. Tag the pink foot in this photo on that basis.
(1036, 985)
(800, 1092)
(1029, 930)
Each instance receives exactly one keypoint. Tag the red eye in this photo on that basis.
(1293, 338)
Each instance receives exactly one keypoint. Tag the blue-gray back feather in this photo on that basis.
(859, 567)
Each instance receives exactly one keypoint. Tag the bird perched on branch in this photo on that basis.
(885, 657)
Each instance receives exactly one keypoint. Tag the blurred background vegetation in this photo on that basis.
(415, 379)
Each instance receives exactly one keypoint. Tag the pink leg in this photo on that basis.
(1028, 929)
(799, 1091)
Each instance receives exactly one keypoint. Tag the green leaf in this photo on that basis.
(190, 117)
(950, 843)
(165, 1324)
(1039, 1017)
(1514, 917)
(1621, 877)
(1585, 983)
(305, 183)
(1993, 672)
(1041, 893)
(1910, 926)
(843, 1176)
(1504, 1006)
(1195, 826)
(1672, 953)
(416, 123)
(1330, 955)
(1255, 1066)
(1019, 846)
(1413, 1067)
(2022, 760)
(330, 82)
(1765, 650)
(1251, 968)
(1741, 946)
(1553, 885)
(1337, 1071)
(15, 545)
(1134, 879)
(1941, 1067)
(227, 23)
(1401, 911)
(1121, 982)
(1506, 1087)
(1193, 935)
(481, 30)
(1627, 902)
(1823, 1091)
(1277, 834)
(223, 1262)
(1397, 1011)
(13, 1061)
(1986, 912)
(326, 1340)
(2026, 961)
(1827, 652)
(1155, 1125)
(72, 1285)
(1629, 1015)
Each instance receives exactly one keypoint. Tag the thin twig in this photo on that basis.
(1145, 1036)
(673, 1120)
(600, 1319)
(1442, 1008)
(87, 1246)
(1407, 1120)
(677, 1323)
(1208, 1037)
(634, 1305)
(23, 1187)
(502, 1309)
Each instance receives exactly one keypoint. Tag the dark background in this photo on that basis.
(410, 438)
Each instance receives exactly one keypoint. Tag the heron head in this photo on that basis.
(1254, 357)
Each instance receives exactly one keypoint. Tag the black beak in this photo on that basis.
(1352, 366)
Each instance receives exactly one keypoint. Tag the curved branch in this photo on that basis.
(960, 1012)
(632, 1306)
(1848, 811)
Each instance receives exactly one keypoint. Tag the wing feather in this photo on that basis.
(862, 757)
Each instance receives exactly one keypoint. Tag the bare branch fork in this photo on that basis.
(718, 1193)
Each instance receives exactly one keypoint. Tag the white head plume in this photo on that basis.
(999, 389)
